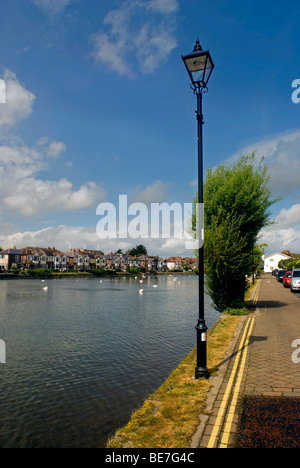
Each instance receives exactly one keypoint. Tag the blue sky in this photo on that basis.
(98, 104)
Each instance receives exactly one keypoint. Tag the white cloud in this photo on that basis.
(52, 6)
(288, 217)
(285, 232)
(138, 30)
(19, 101)
(64, 237)
(18, 162)
(155, 193)
(24, 194)
(282, 157)
(56, 148)
(281, 239)
(111, 54)
(164, 6)
(22, 191)
(34, 197)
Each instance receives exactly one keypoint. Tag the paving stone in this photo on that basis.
(270, 372)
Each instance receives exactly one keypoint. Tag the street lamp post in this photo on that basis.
(200, 66)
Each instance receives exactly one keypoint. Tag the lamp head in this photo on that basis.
(199, 65)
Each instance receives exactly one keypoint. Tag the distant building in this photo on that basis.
(10, 258)
(85, 260)
(174, 263)
(271, 261)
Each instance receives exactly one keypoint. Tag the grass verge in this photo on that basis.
(170, 416)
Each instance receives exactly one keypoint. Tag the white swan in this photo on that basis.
(45, 288)
(141, 291)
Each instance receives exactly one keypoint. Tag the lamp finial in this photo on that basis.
(197, 46)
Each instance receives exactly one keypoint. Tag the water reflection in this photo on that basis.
(84, 354)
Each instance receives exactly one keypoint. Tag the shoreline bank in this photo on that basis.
(88, 275)
(170, 416)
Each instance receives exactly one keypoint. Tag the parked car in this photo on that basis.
(295, 280)
(280, 275)
(275, 272)
(287, 279)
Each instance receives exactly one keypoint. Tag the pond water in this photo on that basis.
(84, 354)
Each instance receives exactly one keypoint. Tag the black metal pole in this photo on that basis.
(201, 369)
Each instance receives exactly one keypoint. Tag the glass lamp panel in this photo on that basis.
(196, 67)
(197, 76)
(208, 70)
(195, 63)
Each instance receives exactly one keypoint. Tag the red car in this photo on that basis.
(287, 279)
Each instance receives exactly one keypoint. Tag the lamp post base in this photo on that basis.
(201, 373)
(201, 369)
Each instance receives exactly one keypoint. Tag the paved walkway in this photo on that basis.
(258, 363)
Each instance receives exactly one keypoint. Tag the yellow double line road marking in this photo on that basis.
(257, 290)
(225, 415)
(234, 401)
(240, 358)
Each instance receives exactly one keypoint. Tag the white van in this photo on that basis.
(295, 280)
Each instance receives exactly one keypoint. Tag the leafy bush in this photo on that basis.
(237, 202)
(39, 272)
(236, 311)
(133, 270)
(101, 272)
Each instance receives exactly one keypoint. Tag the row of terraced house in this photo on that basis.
(85, 260)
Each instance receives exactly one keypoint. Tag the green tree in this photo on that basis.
(237, 201)
(138, 251)
(290, 263)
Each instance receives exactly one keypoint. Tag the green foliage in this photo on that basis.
(133, 270)
(290, 263)
(236, 311)
(237, 202)
(138, 251)
(101, 272)
(39, 273)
